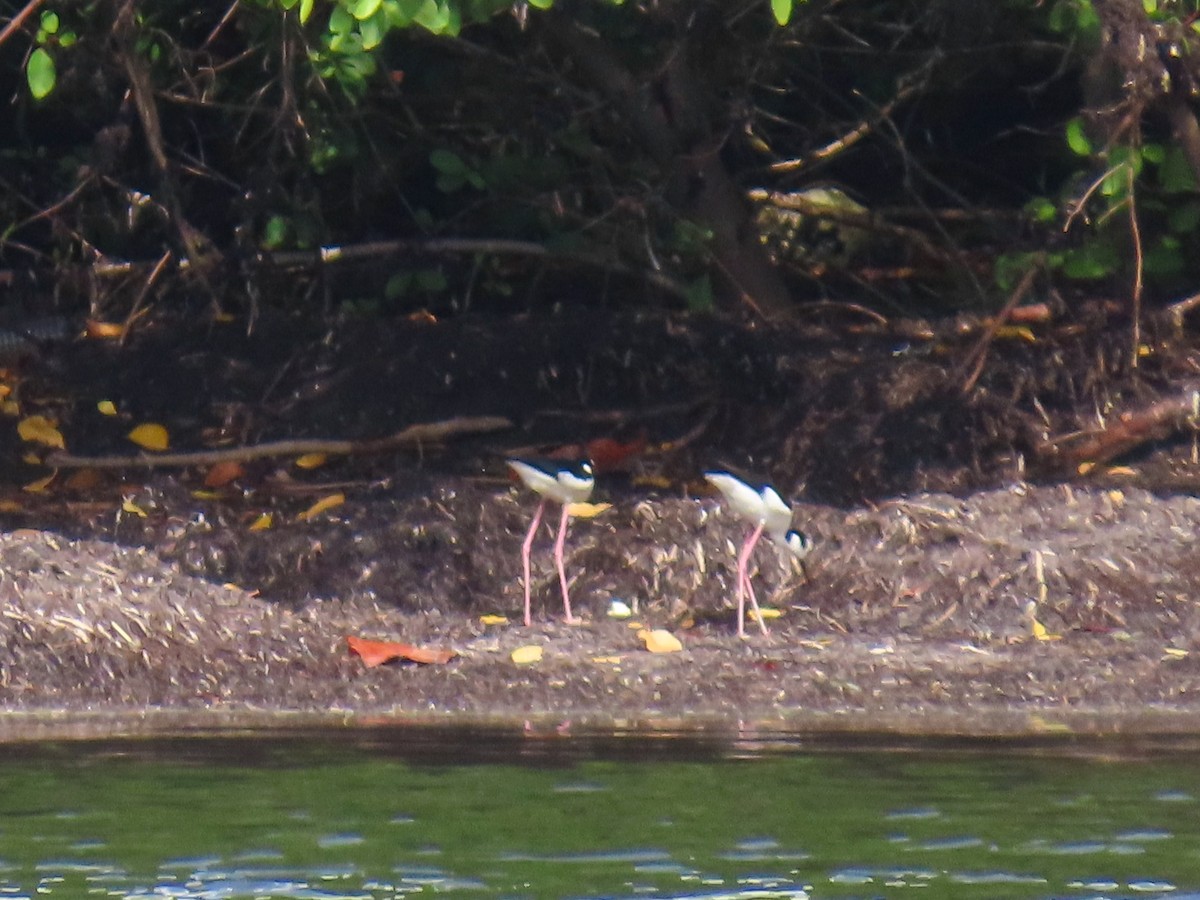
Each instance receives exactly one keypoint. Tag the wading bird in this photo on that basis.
(761, 505)
(564, 483)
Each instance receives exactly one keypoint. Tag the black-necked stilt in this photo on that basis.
(761, 505)
(564, 483)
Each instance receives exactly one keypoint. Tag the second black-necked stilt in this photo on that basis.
(564, 483)
(761, 505)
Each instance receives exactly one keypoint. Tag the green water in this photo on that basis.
(403, 813)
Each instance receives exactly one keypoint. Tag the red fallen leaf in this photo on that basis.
(608, 455)
(376, 653)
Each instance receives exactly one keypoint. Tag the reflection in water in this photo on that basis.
(334, 817)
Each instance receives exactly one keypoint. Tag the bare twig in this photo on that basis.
(413, 436)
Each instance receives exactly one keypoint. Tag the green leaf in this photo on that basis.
(1041, 210)
(364, 9)
(49, 23)
(447, 162)
(275, 234)
(1154, 153)
(373, 31)
(782, 10)
(541, 4)
(306, 8)
(40, 74)
(1175, 176)
(1184, 219)
(1077, 138)
(1090, 262)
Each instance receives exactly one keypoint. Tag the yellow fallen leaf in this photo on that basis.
(127, 505)
(31, 459)
(150, 436)
(652, 482)
(530, 653)
(1122, 470)
(322, 505)
(767, 612)
(660, 641)
(5, 391)
(1016, 332)
(587, 510)
(10, 408)
(263, 522)
(207, 495)
(39, 486)
(1040, 632)
(107, 408)
(1145, 350)
(1174, 653)
(224, 318)
(311, 461)
(606, 660)
(1117, 497)
(40, 430)
(493, 620)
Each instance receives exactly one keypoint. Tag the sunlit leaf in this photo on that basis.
(263, 522)
(40, 430)
(322, 505)
(766, 612)
(530, 653)
(127, 505)
(311, 461)
(107, 330)
(782, 10)
(40, 73)
(1077, 138)
(660, 641)
(1084, 468)
(40, 486)
(306, 8)
(107, 408)
(587, 510)
(150, 436)
(619, 609)
(376, 653)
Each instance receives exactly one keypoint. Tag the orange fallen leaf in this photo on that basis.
(83, 480)
(97, 329)
(40, 430)
(150, 436)
(223, 473)
(376, 653)
(608, 455)
(660, 641)
(322, 505)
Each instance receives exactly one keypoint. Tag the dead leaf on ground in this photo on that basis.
(376, 653)
(530, 653)
(40, 430)
(587, 510)
(322, 505)
(660, 641)
(222, 473)
(150, 436)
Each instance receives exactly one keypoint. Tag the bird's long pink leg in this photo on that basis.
(558, 558)
(525, 548)
(744, 583)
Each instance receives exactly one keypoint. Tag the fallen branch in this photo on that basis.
(1125, 432)
(413, 436)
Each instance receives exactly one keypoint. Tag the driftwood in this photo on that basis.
(413, 436)
(1126, 431)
